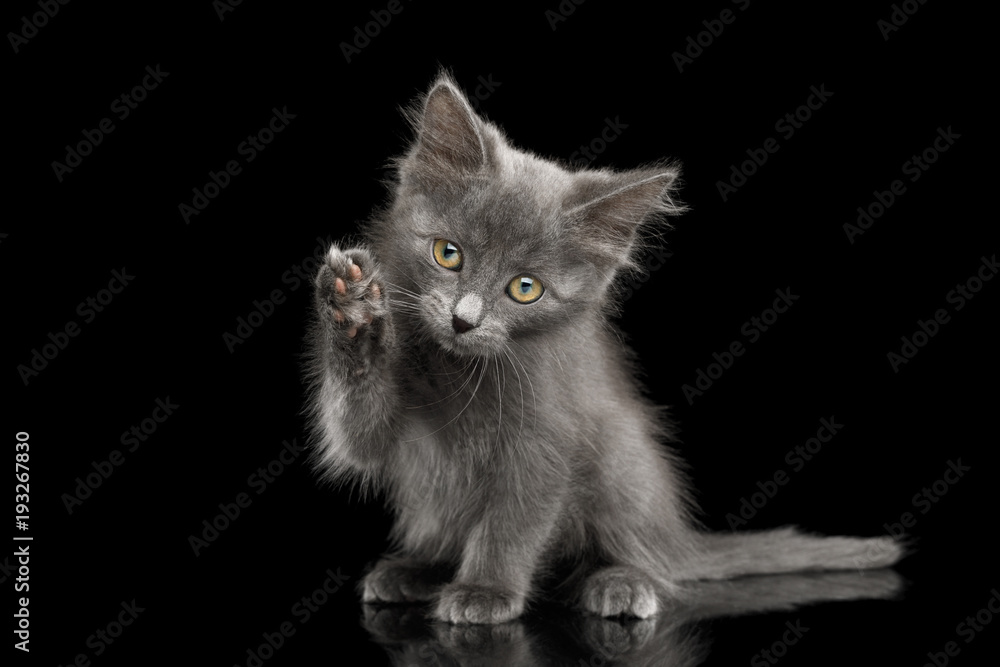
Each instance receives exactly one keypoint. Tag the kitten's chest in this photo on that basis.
(459, 425)
(438, 491)
(479, 404)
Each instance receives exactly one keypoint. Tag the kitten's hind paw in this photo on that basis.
(393, 581)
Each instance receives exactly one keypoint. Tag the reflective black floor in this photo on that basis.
(678, 636)
(839, 618)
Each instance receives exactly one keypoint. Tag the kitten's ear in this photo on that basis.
(450, 141)
(605, 212)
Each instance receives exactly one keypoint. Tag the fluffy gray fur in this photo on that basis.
(520, 455)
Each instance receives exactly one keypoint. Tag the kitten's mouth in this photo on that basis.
(468, 344)
(462, 343)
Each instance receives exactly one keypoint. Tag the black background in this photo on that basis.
(163, 335)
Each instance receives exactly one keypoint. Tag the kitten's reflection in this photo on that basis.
(556, 636)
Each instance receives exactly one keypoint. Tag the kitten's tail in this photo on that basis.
(727, 555)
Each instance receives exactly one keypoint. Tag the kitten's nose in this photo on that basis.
(460, 325)
(467, 314)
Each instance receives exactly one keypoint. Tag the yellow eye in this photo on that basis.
(525, 289)
(447, 254)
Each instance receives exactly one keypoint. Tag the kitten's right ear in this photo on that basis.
(450, 142)
(605, 211)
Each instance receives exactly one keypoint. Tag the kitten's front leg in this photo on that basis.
(499, 561)
(355, 397)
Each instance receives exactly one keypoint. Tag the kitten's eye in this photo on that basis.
(447, 254)
(525, 289)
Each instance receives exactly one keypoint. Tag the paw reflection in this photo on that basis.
(614, 638)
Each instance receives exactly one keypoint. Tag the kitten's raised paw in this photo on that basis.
(349, 295)
(465, 603)
(399, 582)
(620, 591)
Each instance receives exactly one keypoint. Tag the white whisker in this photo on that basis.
(500, 397)
(393, 287)
(527, 376)
(482, 372)
(520, 389)
(454, 393)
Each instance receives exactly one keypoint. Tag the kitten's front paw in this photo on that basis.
(350, 297)
(465, 603)
(620, 591)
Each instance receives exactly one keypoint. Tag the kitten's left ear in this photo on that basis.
(605, 211)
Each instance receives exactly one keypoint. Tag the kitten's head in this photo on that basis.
(487, 243)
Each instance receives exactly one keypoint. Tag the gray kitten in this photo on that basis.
(462, 362)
